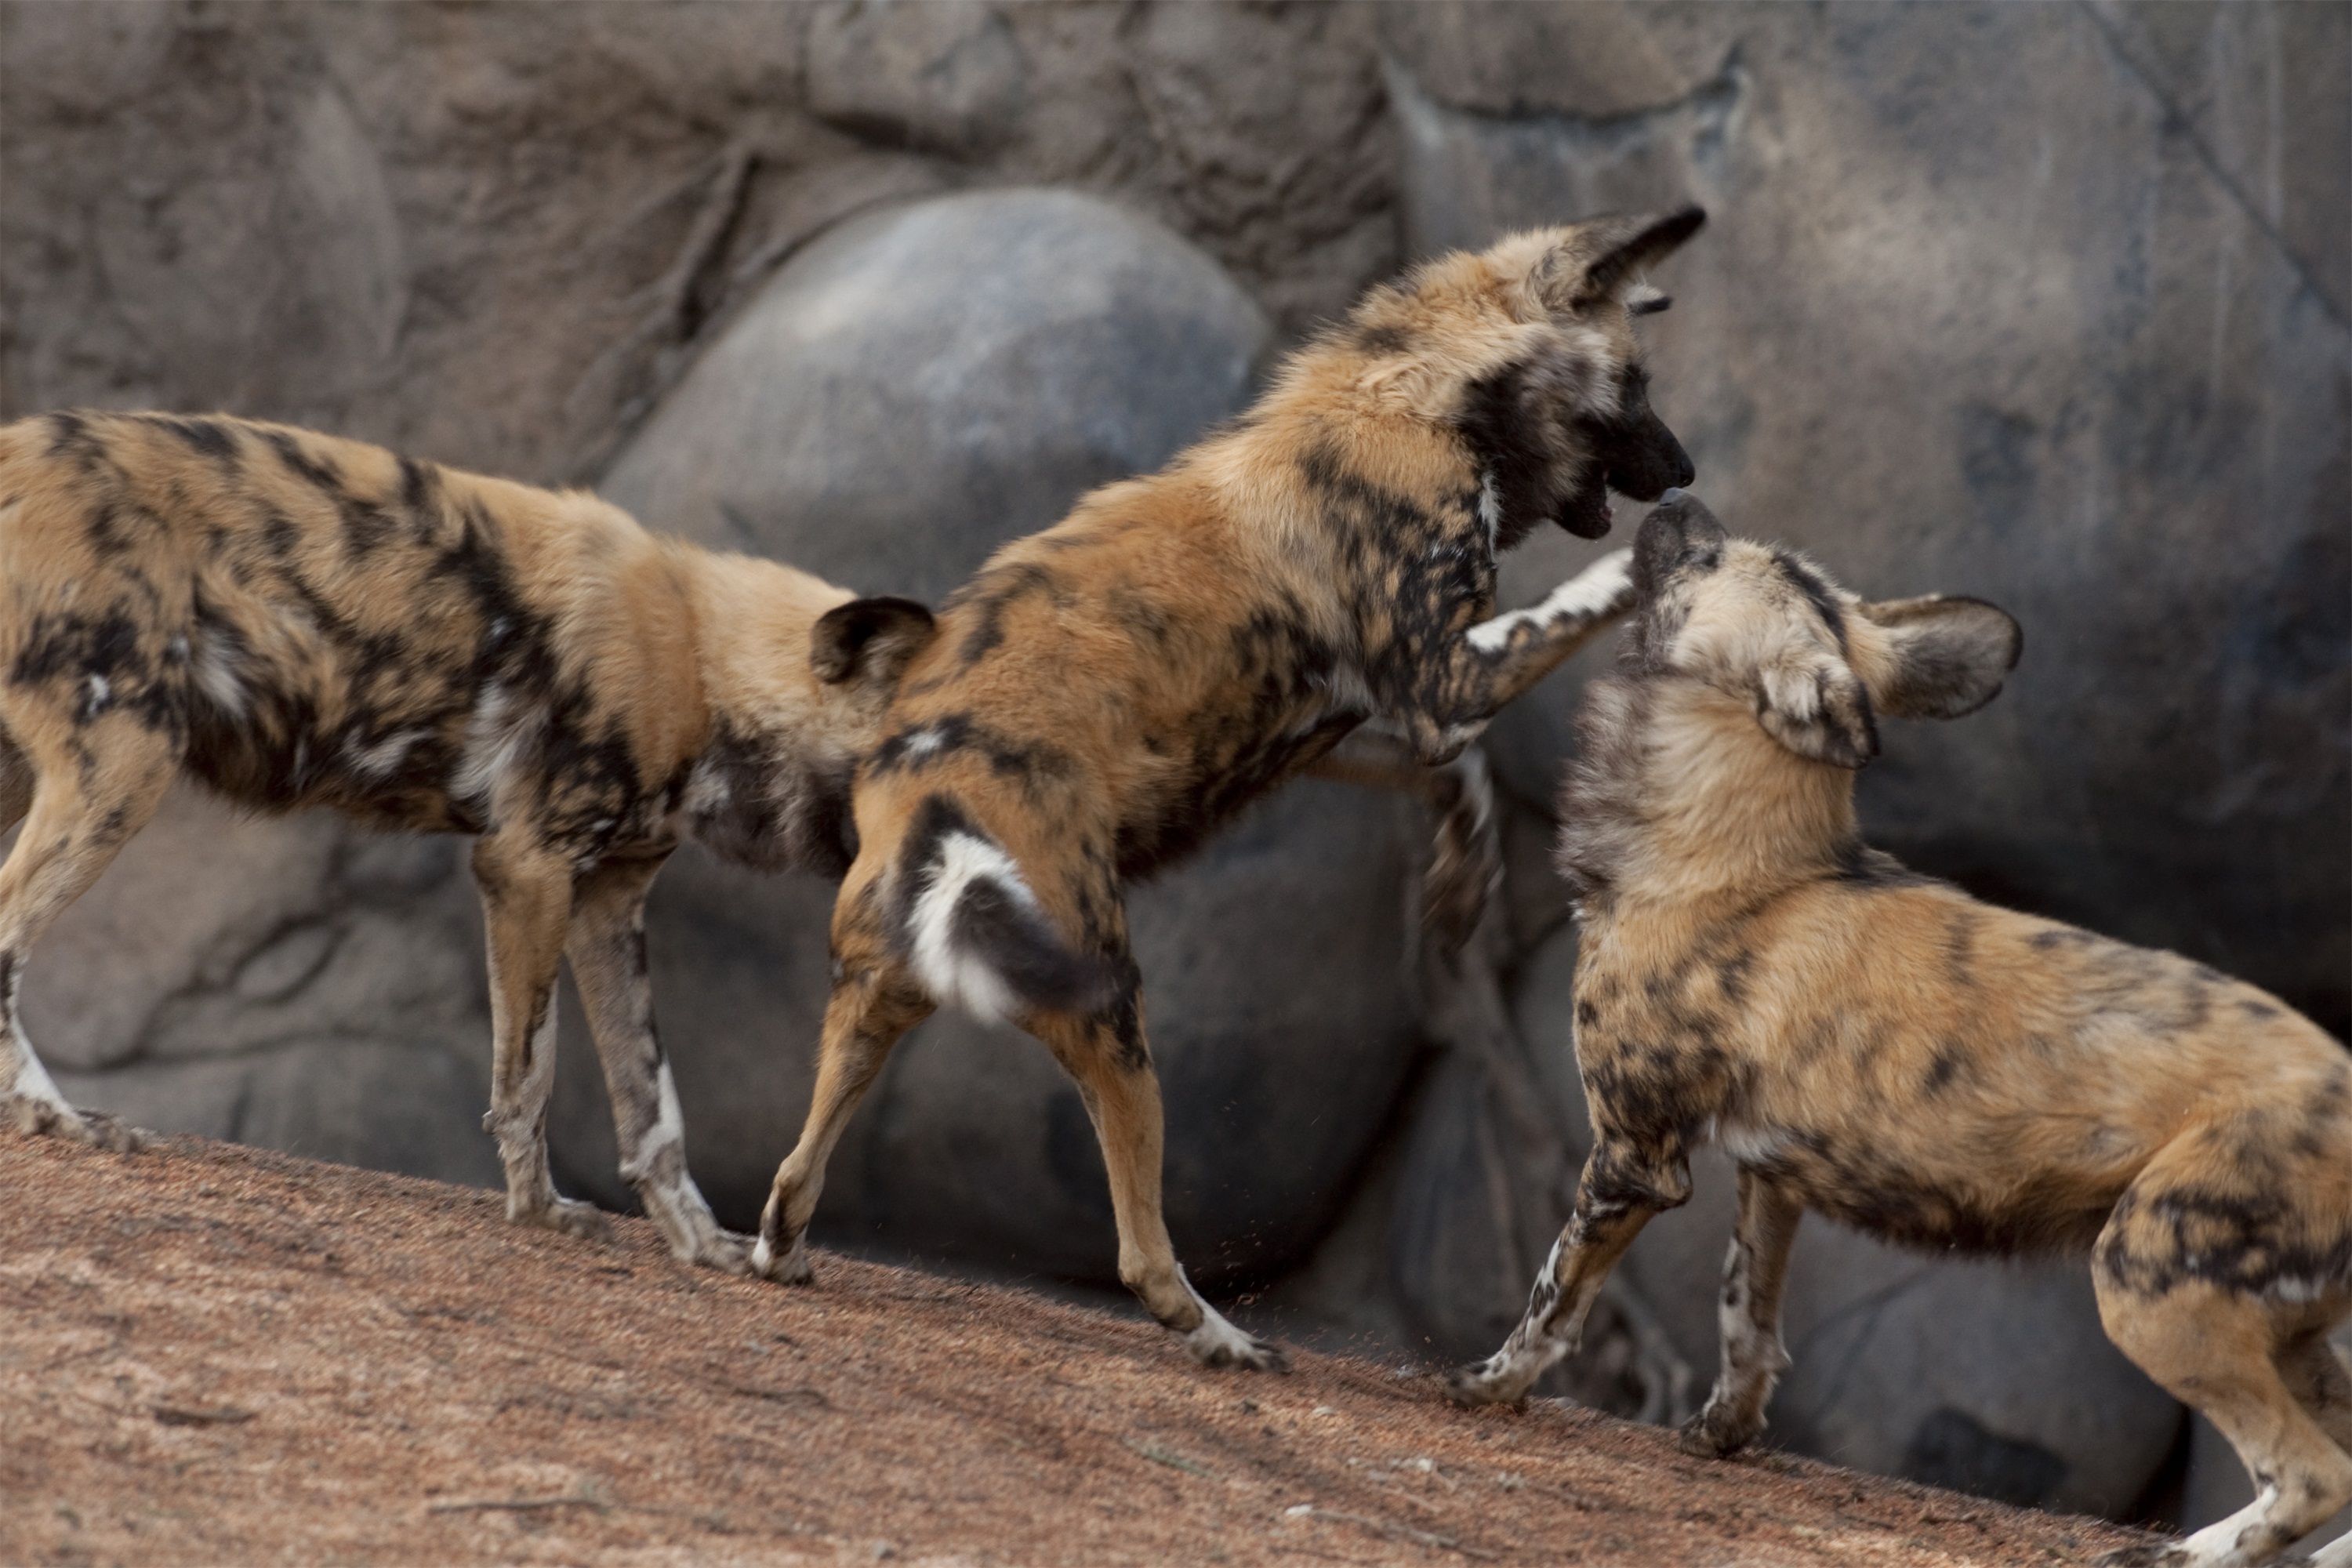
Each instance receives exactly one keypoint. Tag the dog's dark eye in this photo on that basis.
(1649, 306)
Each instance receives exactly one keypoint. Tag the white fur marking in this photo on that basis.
(99, 689)
(382, 759)
(218, 678)
(1597, 589)
(1490, 512)
(952, 974)
(494, 738)
(33, 1080)
(923, 742)
(2218, 1544)
(763, 1256)
(668, 1131)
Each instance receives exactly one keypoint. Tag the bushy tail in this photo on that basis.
(977, 935)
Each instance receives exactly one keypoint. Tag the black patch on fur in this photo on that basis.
(1382, 341)
(1520, 443)
(1635, 452)
(71, 438)
(1859, 866)
(204, 436)
(319, 473)
(919, 746)
(991, 595)
(1816, 592)
(773, 815)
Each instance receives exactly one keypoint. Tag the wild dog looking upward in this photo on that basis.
(1882, 1048)
(298, 620)
(1105, 694)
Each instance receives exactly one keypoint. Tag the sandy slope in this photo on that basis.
(215, 1354)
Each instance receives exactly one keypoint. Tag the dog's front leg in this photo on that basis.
(1753, 1356)
(1465, 863)
(1475, 675)
(1611, 1211)
(607, 947)
(526, 891)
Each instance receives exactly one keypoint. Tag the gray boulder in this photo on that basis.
(926, 382)
(2042, 304)
(915, 388)
(289, 982)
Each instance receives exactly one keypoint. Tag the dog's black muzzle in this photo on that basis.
(1634, 455)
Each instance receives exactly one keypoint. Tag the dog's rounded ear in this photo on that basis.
(1819, 708)
(869, 640)
(1945, 658)
(1615, 252)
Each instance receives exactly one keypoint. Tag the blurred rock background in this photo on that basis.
(2046, 304)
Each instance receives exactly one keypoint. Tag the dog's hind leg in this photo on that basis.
(1750, 1312)
(607, 947)
(100, 786)
(1109, 1057)
(526, 891)
(1616, 1198)
(2320, 1378)
(875, 1002)
(2213, 1348)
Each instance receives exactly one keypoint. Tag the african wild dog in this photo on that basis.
(297, 620)
(1882, 1048)
(1105, 694)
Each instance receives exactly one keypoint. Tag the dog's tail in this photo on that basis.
(976, 933)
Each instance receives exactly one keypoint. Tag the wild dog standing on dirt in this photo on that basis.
(1103, 695)
(1882, 1048)
(298, 620)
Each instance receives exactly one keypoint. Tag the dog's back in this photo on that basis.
(318, 621)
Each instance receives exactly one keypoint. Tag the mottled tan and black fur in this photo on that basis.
(1104, 695)
(1882, 1048)
(296, 620)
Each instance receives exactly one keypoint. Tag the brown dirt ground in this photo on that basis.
(214, 1355)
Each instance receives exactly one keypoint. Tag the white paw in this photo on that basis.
(1217, 1342)
(1607, 583)
(39, 1118)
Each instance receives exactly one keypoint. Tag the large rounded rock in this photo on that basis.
(926, 382)
(1990, 1377)
(287, 982)
(2045, 305)
(916, 388)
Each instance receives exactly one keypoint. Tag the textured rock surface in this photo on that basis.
(929, 380)
(2046, 305)
(287, 982)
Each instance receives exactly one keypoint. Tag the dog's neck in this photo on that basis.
(1678, 797)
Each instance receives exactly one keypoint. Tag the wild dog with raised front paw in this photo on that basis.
(1882, 1048)
(296, 620)
(1105, 694)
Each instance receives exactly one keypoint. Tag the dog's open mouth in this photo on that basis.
(1586, 512)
